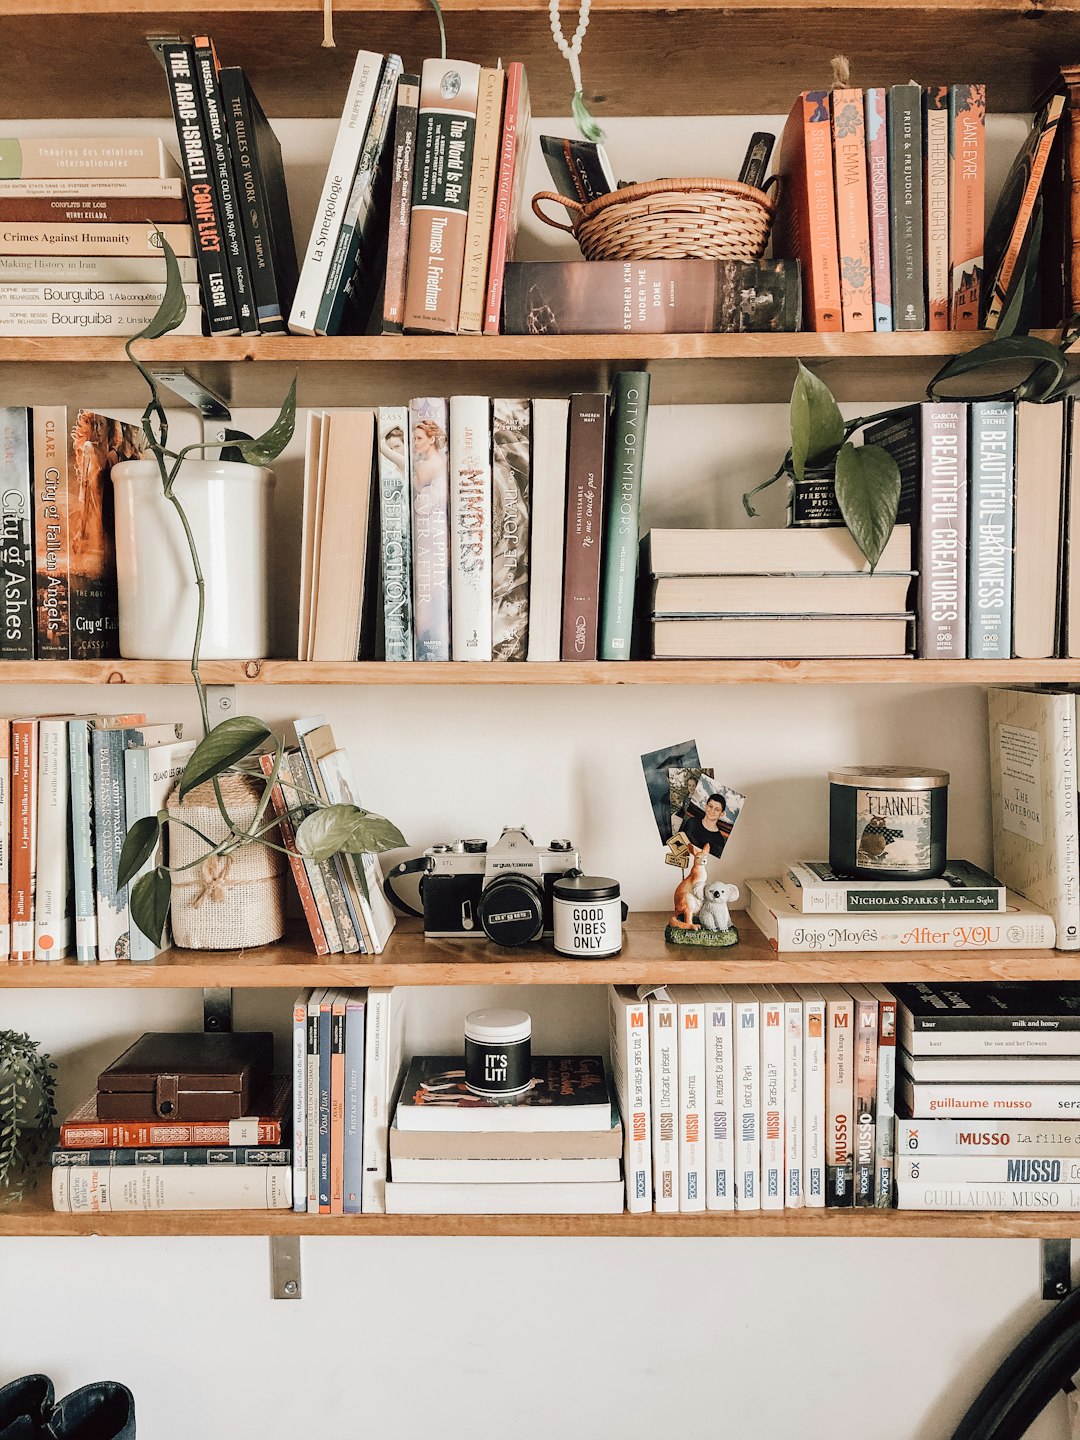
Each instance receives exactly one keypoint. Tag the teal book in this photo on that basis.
(630, 405)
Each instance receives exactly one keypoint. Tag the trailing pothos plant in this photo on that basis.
(233, 746)
(27, 1111)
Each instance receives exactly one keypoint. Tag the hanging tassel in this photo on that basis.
(442, 27)
(328, 41)
(571, 53)
(585, 123)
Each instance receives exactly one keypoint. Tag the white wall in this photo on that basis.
(889, 1339)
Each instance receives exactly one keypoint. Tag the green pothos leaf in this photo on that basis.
(1041, 358)
(868, 493)
(265, 448)
(817, 427)
(173, 305)
(139, 844)
(150, 899)
(227, 743)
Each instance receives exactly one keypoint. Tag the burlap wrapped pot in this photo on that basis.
(231, 901)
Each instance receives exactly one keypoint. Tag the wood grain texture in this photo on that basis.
(646, 958)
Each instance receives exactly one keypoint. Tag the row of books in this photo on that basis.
(484, 530)
(72, 206)
(57, 523)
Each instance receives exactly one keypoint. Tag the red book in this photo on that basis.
(805, 227)
(852, 209)
(296, 862)
(936, 205)
(5, 841)
(513, 153)
(78, 210)
(584, 526)
(967, 202)
(23, 837)
(82, 1130)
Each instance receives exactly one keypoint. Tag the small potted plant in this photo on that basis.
(27, 1111)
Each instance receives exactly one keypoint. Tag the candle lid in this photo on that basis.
(497, 1027)
(575, 886)
(889, 777)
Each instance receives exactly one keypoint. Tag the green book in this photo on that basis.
(630, 412)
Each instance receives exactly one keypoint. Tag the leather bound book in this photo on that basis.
(187, 1076)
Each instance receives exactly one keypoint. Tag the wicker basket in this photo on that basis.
(232, 901)
(669, 220)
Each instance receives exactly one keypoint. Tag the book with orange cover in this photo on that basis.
(297, 864)
(967, 204)
(936, 204)
(805, 228)
(513, 151)
(852, 209)
(83, 1130)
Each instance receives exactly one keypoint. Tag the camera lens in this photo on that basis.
(511, 909)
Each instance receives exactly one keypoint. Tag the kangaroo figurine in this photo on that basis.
(690, 890)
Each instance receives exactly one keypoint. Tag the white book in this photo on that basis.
(151, 773)
(746, 1018)
(300, 1100)
(1030, 1100)
(1022, 926)
(691, 1016)
(1033, 802)
(311, 1148)
(1034, 1169)
(550, 420)
(97, 319)
(814, 1111)
(915, 1195)
(384, 1050)
(52, 898)
(314, 446)
(111, 1189)
(719, 1099)
(839, 1095)
(92, 269)
(964, 1069)
(470, 527)
(773, 1045)
(503, 1172)
(92, 187)
(886, 1097)
(664, 1048)
(629, 1027)
(344, 158)
(1028, 1043)
(793, 1097)
(20, 296)
(982, 1137)
(595, 1197)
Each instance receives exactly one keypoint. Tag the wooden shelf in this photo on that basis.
(711, 57)
(646, 958)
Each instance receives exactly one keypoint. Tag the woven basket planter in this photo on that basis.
(232, 901)
(697, 219)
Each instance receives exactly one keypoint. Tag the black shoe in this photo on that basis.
(102, 1411)
(25, 1405)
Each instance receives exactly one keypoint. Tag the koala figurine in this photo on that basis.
(715, 897)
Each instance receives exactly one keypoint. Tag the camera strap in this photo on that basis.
(420, 864)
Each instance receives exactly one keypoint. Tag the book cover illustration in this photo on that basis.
(877, 169)
(17, 636)
(395, 530)
(430, 517)
(967, 202)
(852, 210)
(97, 444)
(510, 529)
(566, 1082)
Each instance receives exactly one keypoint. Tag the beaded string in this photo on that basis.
(571, 53)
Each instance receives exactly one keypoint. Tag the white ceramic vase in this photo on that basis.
(228, 506)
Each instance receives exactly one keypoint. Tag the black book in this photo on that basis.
(904, 124)
(206, 69)
(900, 434)
(195, 154)
(264, 202)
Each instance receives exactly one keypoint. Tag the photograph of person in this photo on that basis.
(709, 815)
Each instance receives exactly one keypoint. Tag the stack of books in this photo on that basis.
(725, 594)
(755, 1097)
(79, 253)
(987, 1084)
(118, 1152)
(552, 1151)
(502, 529)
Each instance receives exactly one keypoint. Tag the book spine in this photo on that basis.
(852, 209)
(631, 1064)
(359, 99)
(299, 1102)
(839, 1101)
(325, 883)
(326, 1005)
(117, 1135)
(584, 511)
(877, 169)
(201, 1155)
(90, 189)
(489, 120)
(1009, 931)
(936, 204)
(395, 531)
(16, 510)
(664, 1066)
(23, 837)
(297, 864)
(337, 1105)
(50, 528)
(511, 531)
(23, 296)
(254, 204)
(1033, 1169)
(546, 555)
(904, 125)
(886, 1104)
(879, 896)
(353, 1162)
(967, 202)
(824, 256)
(66, 158)
(312, 1148)
(193, 137)
(91, 270)
(100, 1190)
(978, 1136)
(428, 421)
(76, 210)
(223, 175)
(1036, 1100)
(445, 135)
(793, 1104)
(110, 827)
(772, 1104)
(471, 502)
(5, 842)
(87, 320)
(719, 1102)
(814, 1109)
(1067, 911)
(620, 549)
(747, 1020)
(382, 1063)
(691, 1020)
(866, 1101)
(96, 444)
(52, 900)
(955, 1195)
(990, 529)
(512, 147)
(942, 586)
(397, 248)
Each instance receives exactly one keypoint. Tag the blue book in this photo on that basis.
(325, 1018)
(353, 1174)
(991, 486)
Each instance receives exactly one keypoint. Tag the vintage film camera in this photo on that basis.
(471, 889)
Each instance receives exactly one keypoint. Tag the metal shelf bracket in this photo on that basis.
(285, 1279)
(1056, 1260)
(217, 1010)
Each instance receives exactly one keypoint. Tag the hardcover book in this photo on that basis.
(1040, 438)
(254, 1155)
(628, 1023)
(815, 888)
(65, 158)
(904, 122)
(509, 188)
(430, 461)
(566, 1093)
(223, 173)
(96, 239)
(16, 535)
(877, 170)
(98, 319)
(478, 229)
(83, 1130)
(110, 1190)
(584, 515)
(566, 1197)
(511, 491)
(52, 537)
(990, 530)
(397, 250)
(395, 530)
(805, 226)
(630, 413)
(967, 203)
(852, 209)
(472, 555)
(936, 204)
(942, 586)
(550, 422)
(78, 209)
